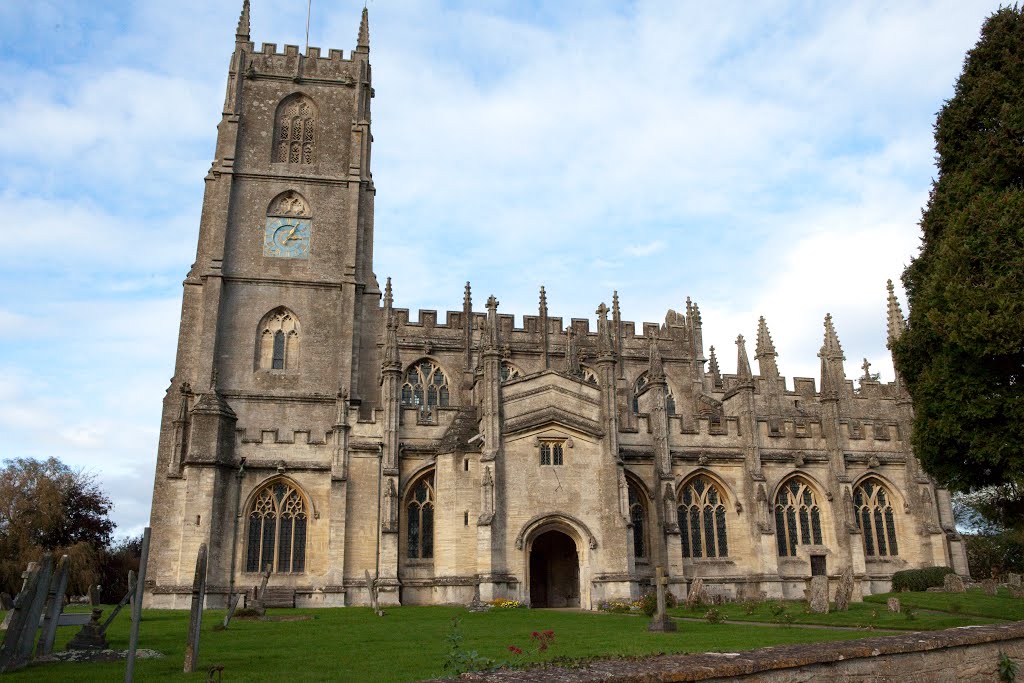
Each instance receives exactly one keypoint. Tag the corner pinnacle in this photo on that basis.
(242, 32)
(363, 43)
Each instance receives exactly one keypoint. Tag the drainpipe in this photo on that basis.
(380, 477)
(234, 531)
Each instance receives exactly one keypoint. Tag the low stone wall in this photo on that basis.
(959, 654)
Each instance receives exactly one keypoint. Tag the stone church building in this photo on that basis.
(315, 428)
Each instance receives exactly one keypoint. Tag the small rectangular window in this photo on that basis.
(552, 452)
(465, 518)
(557, 454)
(545, 454)
(465, 464)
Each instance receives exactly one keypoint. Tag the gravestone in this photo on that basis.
(232, 606)
(91, 637)
(990, 586)
(54, 606)
(21, 630)
(195, 621)
(371, 586)
(6, 602)
(661, 620)
(139, 587)
(32, 566)
(893, 604)
(817, 595)
(258, 603)
(1013, 579)
(131, 593)
(94, 596)
(696, 596)
(953, 584)
(844, 591)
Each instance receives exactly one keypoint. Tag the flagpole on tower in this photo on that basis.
(309, 6)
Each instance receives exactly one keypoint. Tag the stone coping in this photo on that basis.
(700, 667)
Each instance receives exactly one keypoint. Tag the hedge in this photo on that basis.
(919, 579)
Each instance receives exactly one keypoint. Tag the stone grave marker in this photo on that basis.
(844, 591)
(91, 637)
(232, 606)
(195, 621)
(661, 620)
(893, 604)
(1013, 579)
(257, 602)
(24, 578)
(952, 583)
(22, 627)
(371, 586)
(94, 596)
(696, 595)
(54, 606)
(137, 589)
(989, 586)
(6, 602)
(817, 595)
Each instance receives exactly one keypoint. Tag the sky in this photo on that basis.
(768, 158)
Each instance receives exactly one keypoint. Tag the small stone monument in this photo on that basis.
(661, 620)
(195, 621)
(844, 591)
(817, 595)
(953, 584)
(257, 603)
(94, 596)
(91, 637)
(1011, 579)
(371, 586)
(893, 604)
(696, 595)
(990, 586)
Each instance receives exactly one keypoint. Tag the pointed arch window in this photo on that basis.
(420, 519)
(277, 341)
(638, 517)
(642, 381)
(277, 530)
(701, 517)
(797, 517)
(425, 386)
(872, 506)
(509, 371)
(295, 130)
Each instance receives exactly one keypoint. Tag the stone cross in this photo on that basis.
(661, 621)
(867, 369)
(195, 621)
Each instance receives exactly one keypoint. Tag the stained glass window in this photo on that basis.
(277, 530)
(638, 516)
(797, 517)
(701, 517)
(420, 522)
(426, 386)
(872, 507)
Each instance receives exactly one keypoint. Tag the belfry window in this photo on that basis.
(277, 530)
(420, 520)
(638, 517)
(797, 517)
(701, 517)
(277, 342)
(295, 130)
(552, 452)
(425, 386)
(872, 506)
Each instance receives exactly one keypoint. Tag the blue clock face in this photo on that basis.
(287, 238)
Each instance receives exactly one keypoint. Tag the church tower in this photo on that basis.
(280, 309)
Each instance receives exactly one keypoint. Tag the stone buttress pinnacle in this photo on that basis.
(895, 322)
(742, 362)
(363, 44)
(242, 32)
(765, 353)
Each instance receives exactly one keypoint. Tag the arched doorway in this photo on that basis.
(554, 571)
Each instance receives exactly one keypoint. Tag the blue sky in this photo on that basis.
(766, 158)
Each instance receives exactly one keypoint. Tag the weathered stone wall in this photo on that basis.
(954, 655)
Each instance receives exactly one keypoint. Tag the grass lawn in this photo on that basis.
(352, 644)
(860, 615)
(973, 602)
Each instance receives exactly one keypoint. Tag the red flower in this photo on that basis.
(535, 635)
(514, 650)
(549, 634)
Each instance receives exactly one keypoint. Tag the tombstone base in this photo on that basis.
(91, 636)
(662, 624)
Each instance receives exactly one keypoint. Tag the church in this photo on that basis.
(315, 429)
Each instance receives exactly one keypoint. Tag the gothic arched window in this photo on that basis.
(641, 382)
(509, 371)
(701, 517)
(797, 517)
(872, 506)
(425, 385)
(277, 341)
(638, 516)
(277, 530)
(420, 519)
(295, 130)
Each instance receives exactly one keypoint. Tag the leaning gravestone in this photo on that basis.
(54, 606)
(258, 603)
(21, 631)
(817, 595)
(953, 584)
(696, 596)
(195, 621)
(32, 566)
(893, 604)
(844, 591)
(990, 586)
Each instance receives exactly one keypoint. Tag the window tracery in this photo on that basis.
(797, 517)
(641, 382)
(425, 385)
(420, 520)
(638, 516)
(277, 344)
(701, 517)
(295, 130)
(552, 452)
(872, 506)
(277, 530)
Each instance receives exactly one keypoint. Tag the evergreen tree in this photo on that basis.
(962, 356)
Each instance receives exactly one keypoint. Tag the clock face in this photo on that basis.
(287, 238)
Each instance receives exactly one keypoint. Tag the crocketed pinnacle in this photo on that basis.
(742, 362)
(895, 320)
(543, 301)
(765, 353)
(831, 348)
(604, 337)
(467, 298)
(713, 364)
(363, 44)
(615, 304)
(388, 299)
(242, 32)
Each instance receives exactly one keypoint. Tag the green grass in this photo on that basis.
(352, 644)
(973, 602)
(860, 615)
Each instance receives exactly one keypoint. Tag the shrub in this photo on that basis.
(714, 616)
(1007, 668)
(919, 579)
(616, 606)
(649, 602)
(778, 609)
(246, 612)
(750, 606)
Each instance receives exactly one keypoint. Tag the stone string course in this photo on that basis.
(960, 654)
